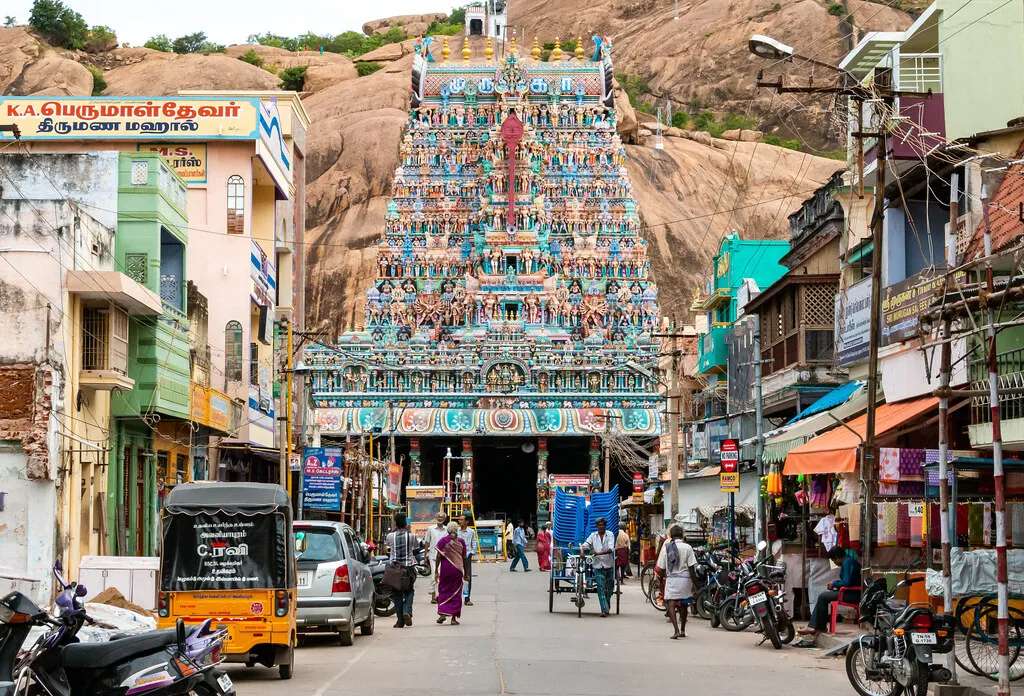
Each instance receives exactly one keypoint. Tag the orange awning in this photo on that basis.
(835, 451)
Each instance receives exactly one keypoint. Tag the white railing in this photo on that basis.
(920, 72)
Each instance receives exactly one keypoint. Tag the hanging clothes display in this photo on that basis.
(917, 522)
(826, 531)
(902, 524)
(976, 524)
(888, 465)
(887, 523)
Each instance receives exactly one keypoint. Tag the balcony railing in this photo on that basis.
(920, 72)
(1010, 368)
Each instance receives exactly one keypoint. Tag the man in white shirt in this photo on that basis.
(430, 540)
(469, 538)
(602, 544)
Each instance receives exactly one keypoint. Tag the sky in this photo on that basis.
(230, 21)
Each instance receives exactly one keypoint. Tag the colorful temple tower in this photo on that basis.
(512, 318)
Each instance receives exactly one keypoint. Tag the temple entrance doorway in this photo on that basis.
(476, 27)
(505, 478)
(569, 455)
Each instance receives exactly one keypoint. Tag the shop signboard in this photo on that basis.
(853, 323)
(729, 477)
(187, 159)
(729, 482)
(321, 479)
(638, 487)
(132, 118)
(904, 302)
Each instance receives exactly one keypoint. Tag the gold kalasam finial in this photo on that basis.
(467, 52)
(513, 47)
(535, 51)
(489, 48)
(445, 50)
(579, 48)
(556, 52)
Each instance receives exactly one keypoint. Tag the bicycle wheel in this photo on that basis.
(983, 644)
(646, 578)
(964, 617)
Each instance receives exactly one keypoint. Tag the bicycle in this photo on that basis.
(981, 645)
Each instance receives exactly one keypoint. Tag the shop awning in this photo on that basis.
(779, 442)
(835, 451)
(839, 395)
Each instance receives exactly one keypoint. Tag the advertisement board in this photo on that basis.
(188, 160)
(321, 478)
(394, 484)
(853, 322)
(904, 302)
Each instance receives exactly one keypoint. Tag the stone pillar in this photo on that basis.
(543, 490)
(595, 463)
(414, 461)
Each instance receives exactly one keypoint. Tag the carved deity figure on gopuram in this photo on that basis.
(513, 295)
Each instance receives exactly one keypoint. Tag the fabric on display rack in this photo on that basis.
(888, 488)
(976, 525)
(902, 525)
(911, 464)
(888, 464)
(1017, 522)
(962, 524)
(851, 514)
(887, 516)
(934, 524)
(917, 523)
(912, 489)
(987, 541)
(826, 531)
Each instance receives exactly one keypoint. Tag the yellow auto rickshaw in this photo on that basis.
(228, 555)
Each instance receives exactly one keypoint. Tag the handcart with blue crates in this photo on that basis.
(574, 518)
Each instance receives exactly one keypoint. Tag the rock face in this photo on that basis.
(167, 73)
(322, 69)
(412, 25)
(29, 66)
(701, 60)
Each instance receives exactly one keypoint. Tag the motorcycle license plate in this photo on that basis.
(224, 682)
(923, 638)
(306, 578)
(759, 598)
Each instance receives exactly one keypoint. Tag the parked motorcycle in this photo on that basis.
(761, 589)
(896, 656)
(173, 662)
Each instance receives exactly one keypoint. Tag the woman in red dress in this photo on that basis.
(544, 547)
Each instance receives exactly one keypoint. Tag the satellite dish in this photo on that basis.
(528, 447)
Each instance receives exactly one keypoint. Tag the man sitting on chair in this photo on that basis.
(849, 576)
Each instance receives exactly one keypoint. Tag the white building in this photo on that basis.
(487, 18)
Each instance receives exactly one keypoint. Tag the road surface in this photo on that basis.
(508, 643)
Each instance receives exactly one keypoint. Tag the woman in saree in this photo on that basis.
(544, 547)
(451, 572)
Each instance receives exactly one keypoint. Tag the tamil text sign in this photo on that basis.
(187, 159)
(904, 302)
(321, 479)
(131, 118)
(853, 322)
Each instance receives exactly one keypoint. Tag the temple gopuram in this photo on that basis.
(511, 322)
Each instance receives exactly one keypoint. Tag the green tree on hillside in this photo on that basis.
(294, 78)
(58, 23)
(160, 42)
(195, 42)
(100, 38)
(9, 21)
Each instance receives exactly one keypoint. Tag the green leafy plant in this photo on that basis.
(100, 38)
(99, 83)
(836, 9)
(293, 78)
(367, 68)
(58, 23)
(788, 143)
(160, 42)
(252, 58)
(195, 42)
(680, 119)
(9, 21)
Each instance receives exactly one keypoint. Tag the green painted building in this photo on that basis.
(736, 260)
(151, 245)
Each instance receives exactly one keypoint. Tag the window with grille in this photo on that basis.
(236, 205)
(140, 172)
(254, 363)
(180, 467)
(819, 304)
(233, 351)
(105, 339)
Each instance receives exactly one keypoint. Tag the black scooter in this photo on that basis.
(173, 662)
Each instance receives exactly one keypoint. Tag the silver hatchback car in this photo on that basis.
(335, 585)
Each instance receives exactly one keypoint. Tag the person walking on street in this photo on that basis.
(544, 547)
(676, 562)
(849, 576)
(602, 544)
(451, 574)
(519, 544)
(401, 569)
(430, 540)
(469, 538)
(622, 553)
(510, 549)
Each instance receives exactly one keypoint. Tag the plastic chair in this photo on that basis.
(838, 603)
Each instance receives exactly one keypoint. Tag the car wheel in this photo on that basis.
(366, 628)
(347, 635)
(284, 670)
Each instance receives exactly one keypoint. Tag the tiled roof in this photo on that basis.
(1004, 213)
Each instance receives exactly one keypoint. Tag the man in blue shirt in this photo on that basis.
(519, 543)
(849, 576)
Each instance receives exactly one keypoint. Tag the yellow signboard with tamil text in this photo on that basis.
(131, 118)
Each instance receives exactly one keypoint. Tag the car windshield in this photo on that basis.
(322, 545)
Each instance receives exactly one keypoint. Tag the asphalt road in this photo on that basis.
(508, 643)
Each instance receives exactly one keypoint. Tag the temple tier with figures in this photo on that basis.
(513, 308)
